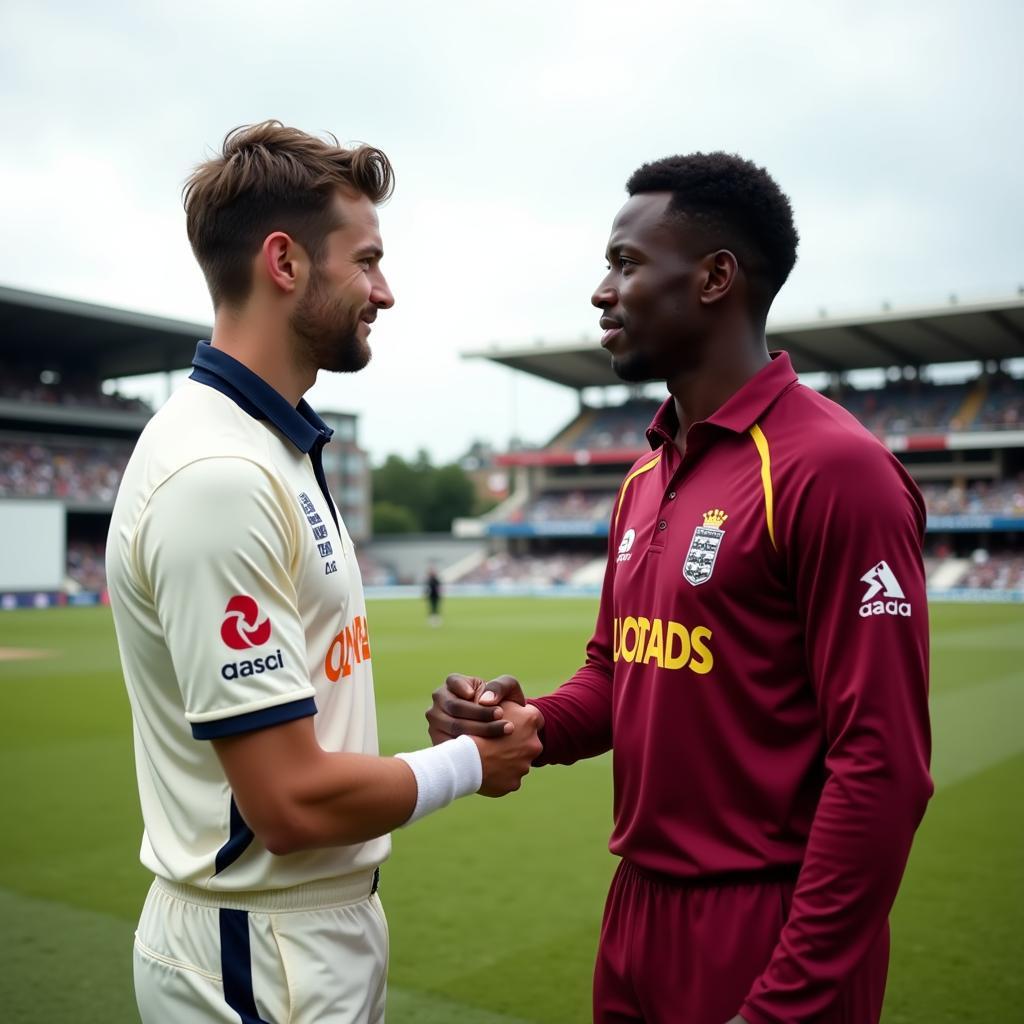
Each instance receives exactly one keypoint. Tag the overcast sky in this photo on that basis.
(896, 130)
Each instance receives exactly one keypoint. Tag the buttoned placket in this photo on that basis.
(680, 464)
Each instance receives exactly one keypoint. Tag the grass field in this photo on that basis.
(494, 905)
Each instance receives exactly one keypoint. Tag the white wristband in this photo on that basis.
(443, 774)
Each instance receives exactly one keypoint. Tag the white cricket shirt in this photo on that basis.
(238, 605)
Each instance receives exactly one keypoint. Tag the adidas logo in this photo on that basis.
(880, 578)
(627, 542)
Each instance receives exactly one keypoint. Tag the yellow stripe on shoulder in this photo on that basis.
(761, 442)
(629, 479)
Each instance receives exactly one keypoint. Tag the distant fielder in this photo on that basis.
(767, 711)
(433, 592)
(242, 625)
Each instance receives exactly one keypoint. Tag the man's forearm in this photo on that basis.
(330, 799)
(577, 718)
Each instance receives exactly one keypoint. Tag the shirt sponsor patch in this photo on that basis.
(627, 542)
(350, 647)
(242, 627)
(699, 563)
(884, 595)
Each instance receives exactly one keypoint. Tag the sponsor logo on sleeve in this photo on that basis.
(699, 563)
(624, 547)
(884, 595)
(242, 627)
(252, 666)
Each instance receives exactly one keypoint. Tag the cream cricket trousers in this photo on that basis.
(315, 954)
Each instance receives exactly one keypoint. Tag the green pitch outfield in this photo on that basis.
(494, 905)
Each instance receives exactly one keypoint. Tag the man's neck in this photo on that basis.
(701, 392)
(263, 347)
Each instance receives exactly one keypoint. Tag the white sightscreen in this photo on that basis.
(32, 545)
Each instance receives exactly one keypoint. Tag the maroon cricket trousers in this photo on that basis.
(679, 953)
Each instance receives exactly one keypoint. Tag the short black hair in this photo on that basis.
(733, 204)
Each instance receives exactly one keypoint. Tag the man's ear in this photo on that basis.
(720, 271)
(282, 261)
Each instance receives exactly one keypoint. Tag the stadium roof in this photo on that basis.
(48, 331)
(948, 334)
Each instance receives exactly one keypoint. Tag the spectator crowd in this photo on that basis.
(68, 471)
(51, 388)
(995, 402)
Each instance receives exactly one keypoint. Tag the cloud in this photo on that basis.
(513, 128)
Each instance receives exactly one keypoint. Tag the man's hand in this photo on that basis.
(467, 704)
(507, 759)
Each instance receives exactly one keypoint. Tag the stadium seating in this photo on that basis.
(909, 407)
(906, 407)
(997, 497)
(1002, 497)
(374, 572)
(527, 570)
(581, 506)
(28, 389)
(85, 564)
(1003, 406)
(617, 426)
(69, 471)
(1000, 571)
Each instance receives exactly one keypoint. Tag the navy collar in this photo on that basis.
(218, 370)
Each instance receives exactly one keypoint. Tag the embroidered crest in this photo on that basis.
(707, 539)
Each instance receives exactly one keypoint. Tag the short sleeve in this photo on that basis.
(215, 548)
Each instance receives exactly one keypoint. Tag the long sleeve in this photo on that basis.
(578, 715)
(867, 653)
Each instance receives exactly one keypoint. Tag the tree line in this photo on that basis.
(418, 497)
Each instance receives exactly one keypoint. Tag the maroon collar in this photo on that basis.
(740, 412)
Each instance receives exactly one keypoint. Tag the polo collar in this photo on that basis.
(300, 424)
(741, 411)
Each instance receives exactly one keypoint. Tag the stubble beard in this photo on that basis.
(326, 331)
(634, 368)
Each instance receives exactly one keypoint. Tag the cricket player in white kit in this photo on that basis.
(242, 625)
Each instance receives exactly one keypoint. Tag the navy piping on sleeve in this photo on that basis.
(236, 965)
(254, 720)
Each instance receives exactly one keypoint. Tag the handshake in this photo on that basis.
(495, 714)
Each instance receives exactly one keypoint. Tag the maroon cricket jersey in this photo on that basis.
(760, 669)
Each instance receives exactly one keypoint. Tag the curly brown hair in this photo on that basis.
(269, 177)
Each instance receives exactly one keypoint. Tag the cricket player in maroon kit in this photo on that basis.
(759, 666)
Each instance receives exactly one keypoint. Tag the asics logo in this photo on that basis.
(241, 628)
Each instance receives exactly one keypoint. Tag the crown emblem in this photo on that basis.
(715, 517)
